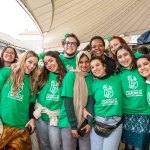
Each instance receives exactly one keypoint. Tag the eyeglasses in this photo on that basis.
(70, 44)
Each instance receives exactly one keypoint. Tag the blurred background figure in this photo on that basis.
(8, 56)
(143, 50)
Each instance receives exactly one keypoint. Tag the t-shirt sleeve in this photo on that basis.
(4, 74)
(68, 85)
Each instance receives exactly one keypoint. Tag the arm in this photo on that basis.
(68, 103)
(90, 109)
(31, 110)
(31, 124)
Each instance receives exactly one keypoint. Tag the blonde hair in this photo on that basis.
(18, 72)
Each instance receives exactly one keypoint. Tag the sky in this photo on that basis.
(13, 19)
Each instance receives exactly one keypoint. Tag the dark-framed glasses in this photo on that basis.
(70, 44)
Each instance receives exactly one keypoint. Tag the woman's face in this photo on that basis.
(70, 46)
(31, 64)
(84, 64)
(143, 66)
(98, 47)
(97, 68)
(51, 64)
(114, 44)
(9, 55)
(124, 58)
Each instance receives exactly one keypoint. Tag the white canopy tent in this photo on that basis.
(87, 18)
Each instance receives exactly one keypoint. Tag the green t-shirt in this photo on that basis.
(107, 94)
(70, 63)
(68, 91)
(148, 99)
(15, 108)
(134, 92)
(50, 95)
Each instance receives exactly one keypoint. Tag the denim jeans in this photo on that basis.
(70, 143)
(106, 143)
(49, 136)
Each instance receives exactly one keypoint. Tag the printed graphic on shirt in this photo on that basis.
(148, 98)
(108, 93)
(54, 90)
(133, 85)
(18, 96)
(68, 67)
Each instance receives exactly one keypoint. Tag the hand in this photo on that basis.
(31, 124)
(87, 128)
(86, 113)
(74, 133)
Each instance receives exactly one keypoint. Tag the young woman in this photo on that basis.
(136, 119)
(76, 94)
(107, 107)
(8, 56)
(49, 102)
(18, 86)
(143, 65)
(115, 42)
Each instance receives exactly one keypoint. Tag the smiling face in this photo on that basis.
(98, 69)
(143, 65)
(9, 55)
(70, 46)
(51, 64)
(97, 47)
(84, 64)
(30, 64)
(124, 58)
(114, 44)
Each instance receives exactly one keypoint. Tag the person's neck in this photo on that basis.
(148, 78)
(67, 56)
(7, 64)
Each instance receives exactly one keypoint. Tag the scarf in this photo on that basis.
(80, 89)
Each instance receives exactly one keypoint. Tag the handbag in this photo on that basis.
(104, 129)
(82, 132)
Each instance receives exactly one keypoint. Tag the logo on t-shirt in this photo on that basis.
(69, 68)
(54, 87)
(17, 96)
(133, 84)
(108, 91)
(54, 90)
(148, 98)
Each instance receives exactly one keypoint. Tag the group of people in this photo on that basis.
(73, 91)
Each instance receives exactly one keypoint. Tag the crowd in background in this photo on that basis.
(85, 100)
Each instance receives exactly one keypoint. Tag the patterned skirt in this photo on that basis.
(136, 131)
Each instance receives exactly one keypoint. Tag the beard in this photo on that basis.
(70, 54)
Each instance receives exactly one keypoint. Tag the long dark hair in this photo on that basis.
(43, 77)
(127, 48)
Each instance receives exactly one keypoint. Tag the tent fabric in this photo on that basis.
(87, 18)
(144, 38)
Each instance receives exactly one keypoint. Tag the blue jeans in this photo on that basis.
(49, 136)
(69, 142)
(106, 143)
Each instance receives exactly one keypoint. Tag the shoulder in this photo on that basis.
(70, 74)
(5, 70)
